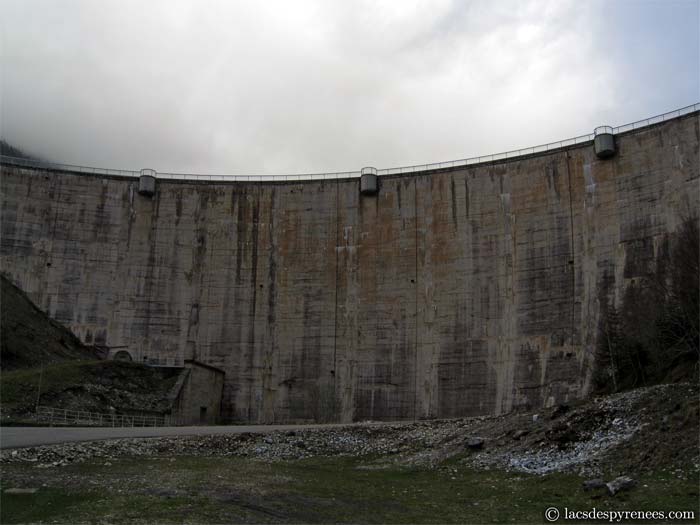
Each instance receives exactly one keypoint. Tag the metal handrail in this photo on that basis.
(353, 174)
(67, 416)
(167, 362)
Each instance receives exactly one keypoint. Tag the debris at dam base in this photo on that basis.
(647, 436)
(633, 431)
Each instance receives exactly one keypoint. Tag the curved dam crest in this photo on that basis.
(458, 292)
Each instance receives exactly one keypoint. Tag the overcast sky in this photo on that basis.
(315, 86)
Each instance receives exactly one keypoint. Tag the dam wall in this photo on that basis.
(453, 292)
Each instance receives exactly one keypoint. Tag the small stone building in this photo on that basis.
(197, 395)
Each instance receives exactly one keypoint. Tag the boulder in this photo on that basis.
(593, 484)
(620, 484)
(520, 433)
(559, 411)
(475, 443)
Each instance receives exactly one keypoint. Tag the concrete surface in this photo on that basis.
(199, 400)
(18, 437)
(451, 293)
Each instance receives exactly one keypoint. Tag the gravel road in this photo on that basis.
(18, 437)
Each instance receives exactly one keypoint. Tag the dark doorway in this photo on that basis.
(202, 414)
(122, 355)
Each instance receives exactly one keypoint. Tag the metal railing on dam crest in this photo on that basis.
(507, 155)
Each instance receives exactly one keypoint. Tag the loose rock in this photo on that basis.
(475, 443)
(520, 433)
(593, 484)
(619, 484)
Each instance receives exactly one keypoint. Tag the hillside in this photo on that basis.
(11, 151)
(94, 386)
(29, 338)
(40, 356)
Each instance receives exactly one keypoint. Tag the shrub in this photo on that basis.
(654, 335)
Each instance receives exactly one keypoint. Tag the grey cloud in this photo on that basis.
(323, 86)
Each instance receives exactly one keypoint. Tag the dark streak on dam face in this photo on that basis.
(452, 293)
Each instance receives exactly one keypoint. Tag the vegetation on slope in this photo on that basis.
(29, 338)
(94, 386)
(43, 362)
(11, 151)
(654, 335)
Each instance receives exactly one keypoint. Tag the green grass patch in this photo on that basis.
(318, 490)
(45, 505)
(459, 495)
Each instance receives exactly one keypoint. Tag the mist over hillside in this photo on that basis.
(9, 150)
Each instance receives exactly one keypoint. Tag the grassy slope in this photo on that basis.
(28, 337)
(34, 348)
(87, 385)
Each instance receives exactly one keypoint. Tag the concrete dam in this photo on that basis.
(451, 291)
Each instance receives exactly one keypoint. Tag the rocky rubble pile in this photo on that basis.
(355, 440)
(624, 427)
(573, 443)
